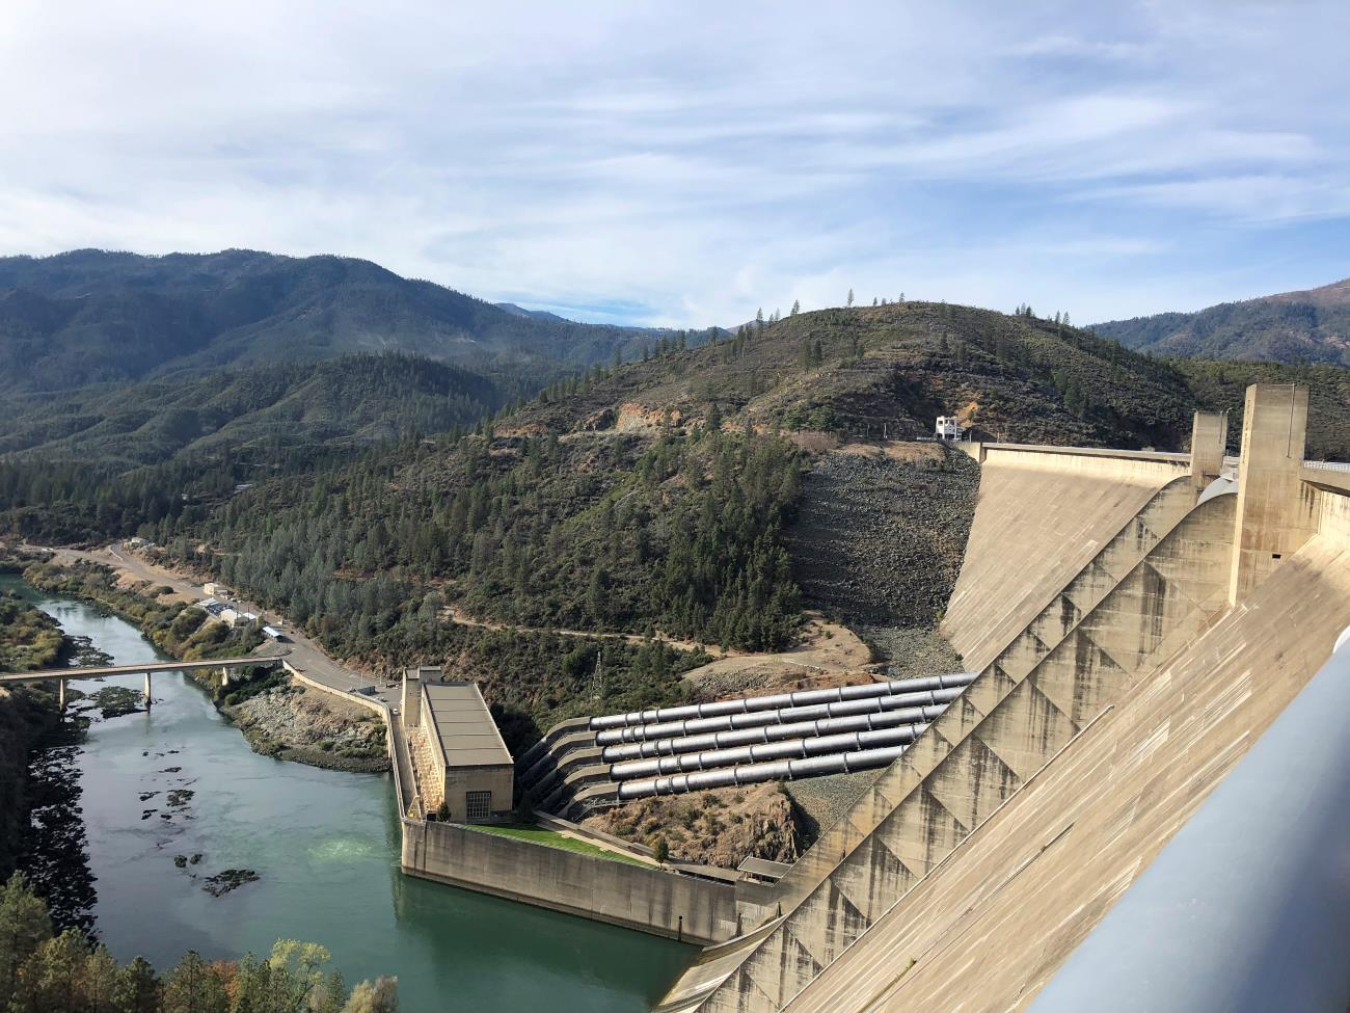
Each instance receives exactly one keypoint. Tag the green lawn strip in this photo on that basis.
(552, 839)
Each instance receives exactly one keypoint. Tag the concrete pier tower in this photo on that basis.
(1274, 510)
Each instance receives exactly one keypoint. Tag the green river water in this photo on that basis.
(326, 846)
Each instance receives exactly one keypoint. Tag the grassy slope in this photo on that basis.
(552, 839)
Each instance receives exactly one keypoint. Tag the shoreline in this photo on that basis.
(253, 728)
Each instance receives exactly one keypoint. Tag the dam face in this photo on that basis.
(1136, 621)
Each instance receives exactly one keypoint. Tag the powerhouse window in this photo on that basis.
(479, 804)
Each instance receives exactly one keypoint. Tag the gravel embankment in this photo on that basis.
(877, 544)
(878, 541)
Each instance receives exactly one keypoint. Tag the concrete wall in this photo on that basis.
(1041, 515)
(987, 931)
(428, 762)
(357, 698)
(1046, 631)
(1275, 510)
(619, 893)
(1209, 445)
(1067, 630)
(458, 781)
(989, 743)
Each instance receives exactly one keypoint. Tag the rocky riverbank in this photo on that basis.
(293, 722)
(41, 831)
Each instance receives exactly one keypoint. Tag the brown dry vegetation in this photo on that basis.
(720, 828)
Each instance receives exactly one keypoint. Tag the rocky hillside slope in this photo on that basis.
(880, 532)
(885, 372)
(720, 828)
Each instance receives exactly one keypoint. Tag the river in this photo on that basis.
(326, 847)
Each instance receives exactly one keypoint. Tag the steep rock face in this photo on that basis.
(880, 532)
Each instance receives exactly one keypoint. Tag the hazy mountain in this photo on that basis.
(91, 317)
(1307, 326)
(521, 311)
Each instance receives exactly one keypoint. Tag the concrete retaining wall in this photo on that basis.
(662, 903)
(367, 702)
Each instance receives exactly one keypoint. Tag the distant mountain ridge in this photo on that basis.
(521, 311)
(91, 316)
(1311, 325)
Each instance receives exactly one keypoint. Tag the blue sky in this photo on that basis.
(688, 162)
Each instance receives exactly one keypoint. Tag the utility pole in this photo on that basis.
(598, 677)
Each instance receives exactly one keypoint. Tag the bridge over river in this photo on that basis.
(62, 675)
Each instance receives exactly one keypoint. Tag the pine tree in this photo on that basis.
(796, 308)
(193, 987)
(850, 298)
(137, 989)
(24, 926)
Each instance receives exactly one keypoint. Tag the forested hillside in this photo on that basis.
(90, 317)
(1295, 327)
(261, 410)
(660, 497)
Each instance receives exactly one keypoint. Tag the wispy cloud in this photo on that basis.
(689, 163)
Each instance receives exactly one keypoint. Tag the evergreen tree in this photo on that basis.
(136, 989)
(193, 987)
(24, 926)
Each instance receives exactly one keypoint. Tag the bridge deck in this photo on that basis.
(154, 666)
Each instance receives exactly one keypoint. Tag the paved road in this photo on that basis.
(299, 650)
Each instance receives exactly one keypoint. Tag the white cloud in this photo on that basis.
(689, 163)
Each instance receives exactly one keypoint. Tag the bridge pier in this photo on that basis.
(147, 691)
(61, 695)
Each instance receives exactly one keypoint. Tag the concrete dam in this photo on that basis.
(1133, 623)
